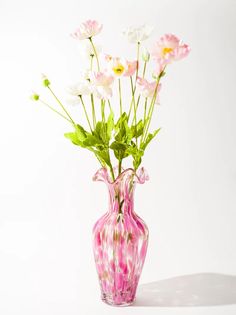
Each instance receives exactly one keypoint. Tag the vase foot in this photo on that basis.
(118, 300)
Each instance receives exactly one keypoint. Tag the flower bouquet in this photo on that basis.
(118, 130)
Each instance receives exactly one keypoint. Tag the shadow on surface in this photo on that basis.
(203, 289)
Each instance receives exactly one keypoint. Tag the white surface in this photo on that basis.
(48, 203)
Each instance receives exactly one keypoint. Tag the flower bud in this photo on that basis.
(145, 55)
(46, 82)
(34, 97)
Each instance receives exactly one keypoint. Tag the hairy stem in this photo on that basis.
(93, 112)
(49, 106)
(62, 106)
(95, 52)
(85, 111)
(120, 96)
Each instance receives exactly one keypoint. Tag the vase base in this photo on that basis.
(117, 300)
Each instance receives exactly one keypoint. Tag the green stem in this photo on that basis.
(144, 68)
(93, 112)
(150, 112)
(102, 111)
(49, 106)
(120, 96)
(112, 172)
(145, 109)
(120, 166)
(144, 118)
(91, 62)
(151, 108)
(138, 49)
(135, 110)
(60, 103)
(132, 101)
(135, 121)
(95, 52)
(85, 111)
(109, 103)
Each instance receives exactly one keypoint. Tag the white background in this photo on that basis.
(48, 203)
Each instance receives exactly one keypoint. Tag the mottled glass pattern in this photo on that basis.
(120, 239)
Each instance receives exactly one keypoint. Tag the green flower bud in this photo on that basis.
(145, 55)
(34, 97)
(46, 82)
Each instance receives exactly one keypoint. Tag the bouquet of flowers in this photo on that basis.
(108, 137)
(118, 128)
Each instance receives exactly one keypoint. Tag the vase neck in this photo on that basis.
(121, 194)
(121, 190)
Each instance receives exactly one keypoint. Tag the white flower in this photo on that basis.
(81, 88)
(138, 34)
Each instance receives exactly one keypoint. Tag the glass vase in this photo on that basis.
(120, 239)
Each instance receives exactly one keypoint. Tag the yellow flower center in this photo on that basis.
(118, 69)
(166, 50)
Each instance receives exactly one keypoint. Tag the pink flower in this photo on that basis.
(130, 68)
(147, 89)
(87, 30)
(169, 48)
(120, 67)
(102, 84)
(159, 67)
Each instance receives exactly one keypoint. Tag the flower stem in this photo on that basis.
(86, 114)
(109, 103)
(144, 68)
(112, 172)
(120, 166)
(93, 112)
(60, 103)
(151, 108)
(144, 119)
(91, 62)
(132, 101)
(150, 112)
(120, 96)
(95, 52)
(138, 49)
(145, 109)
(102, 111)
(135, 110)
(49, 106)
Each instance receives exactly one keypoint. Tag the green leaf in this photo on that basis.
(80, 132)
(110, 125)
(149, 138)
(104, 156)
(92, 140)
(118, 146)
(73, 137)
(137, 130)
(123, 131)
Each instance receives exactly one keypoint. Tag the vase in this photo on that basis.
(120, 239)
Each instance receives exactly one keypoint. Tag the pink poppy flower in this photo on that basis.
(87, 30)
(169, 48)
(102, 83)
(130, 68)
(147, 89)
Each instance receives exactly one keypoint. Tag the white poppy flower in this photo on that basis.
(138, 34)
(81, 88)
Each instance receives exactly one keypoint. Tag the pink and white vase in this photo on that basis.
(120, 239)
